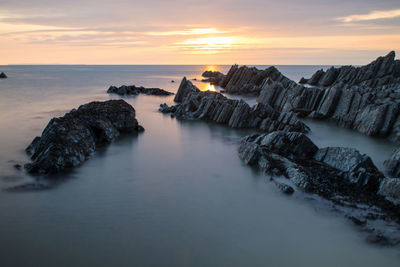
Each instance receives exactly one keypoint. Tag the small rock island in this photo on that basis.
(69, 140)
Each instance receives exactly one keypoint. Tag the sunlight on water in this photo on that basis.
(210, 87)
(211, 68)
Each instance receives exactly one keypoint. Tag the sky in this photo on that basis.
(263, 32)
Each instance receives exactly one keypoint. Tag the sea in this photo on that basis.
(174, 195)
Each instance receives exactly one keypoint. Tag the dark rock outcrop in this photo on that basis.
(358, 168)
(3, 75)
(212, 106)
(326, 171)
(245, 80)
(349, 180)
(69, 140)
(393, 164)
(366, 99)
(133, 90)
(390, 189)
(213, 77)
(384, 70)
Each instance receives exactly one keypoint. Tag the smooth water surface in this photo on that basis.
(175, 195)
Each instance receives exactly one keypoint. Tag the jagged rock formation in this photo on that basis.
(245, 80)
(213, 77)
(3, 75)
(393, 163)
(69, 140)
(347, 178)
(390, 189)
(384, 70)
(133, 90)
(213, 106)
(366, 99)
(324, 171)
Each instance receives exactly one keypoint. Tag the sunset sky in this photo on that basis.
(197, 32)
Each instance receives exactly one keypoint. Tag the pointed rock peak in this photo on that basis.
(391, 55)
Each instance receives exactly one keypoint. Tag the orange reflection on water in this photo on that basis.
(210, 87)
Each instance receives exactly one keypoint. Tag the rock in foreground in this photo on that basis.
(212, 106)
(134, 90)
(3, 75)
(349, 180)
(69, 140)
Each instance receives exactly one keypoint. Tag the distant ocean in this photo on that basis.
(176, 195)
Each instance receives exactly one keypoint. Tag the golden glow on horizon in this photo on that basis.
(211, 68)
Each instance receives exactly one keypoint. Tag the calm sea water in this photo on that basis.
(176, 195)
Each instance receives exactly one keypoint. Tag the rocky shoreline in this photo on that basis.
(214, 107)
(366, 99)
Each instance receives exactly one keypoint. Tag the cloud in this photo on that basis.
(374, 15)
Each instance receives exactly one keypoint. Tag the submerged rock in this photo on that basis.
(3, 75)
(212, 106)
(133, 90)
(69, 140)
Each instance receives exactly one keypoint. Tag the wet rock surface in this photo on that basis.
(346, 178)
(212, 106)
(69, 140)
(135, 90)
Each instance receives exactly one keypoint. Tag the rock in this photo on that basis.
(164, 108)
(303, 80)
(186, 87)
(357, 221)
(390, 189)
(212, 106)
(324, 171)
(358, 168)
(290, 145)
(69, 140)
(214, 77)
(18, 166)
(382, 71)
(172, 81)
(210, 73)
(366, 99)
(393, 163)
(287, 189)
(133, 90)
(245, 80)
(3, 75)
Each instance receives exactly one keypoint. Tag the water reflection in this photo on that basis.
(210, 87)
